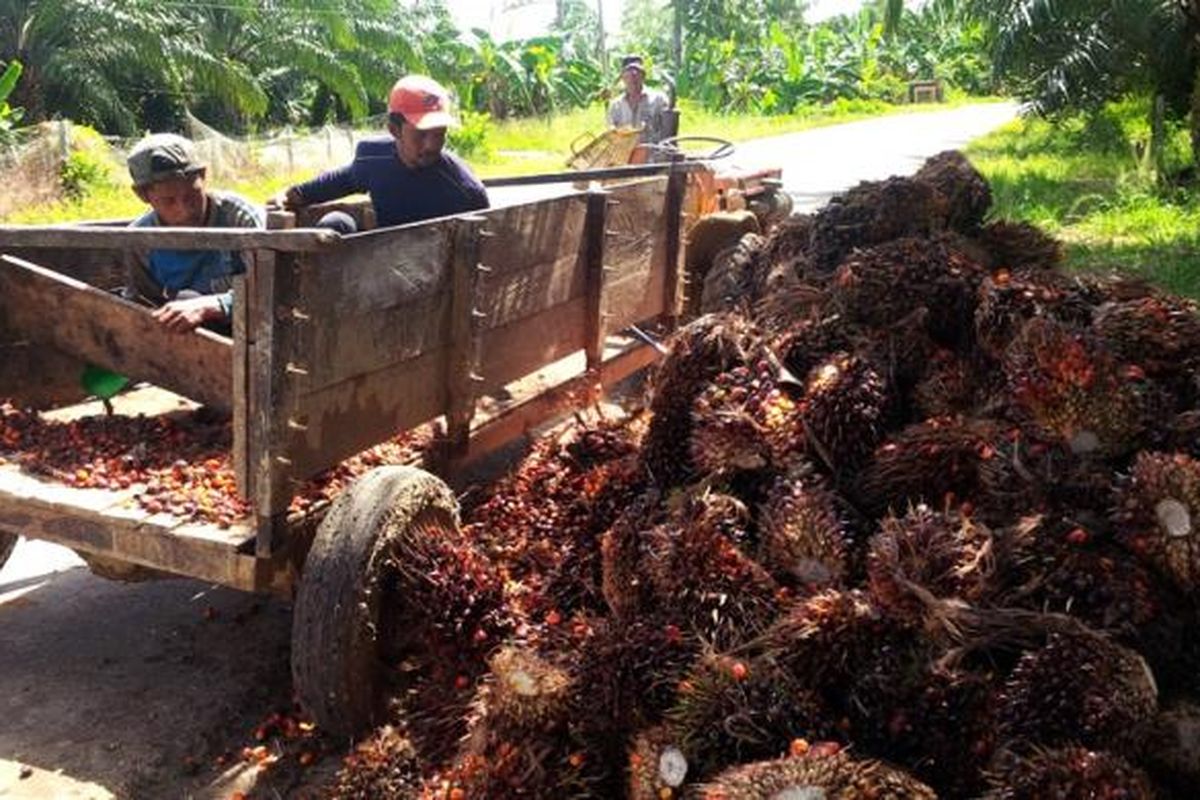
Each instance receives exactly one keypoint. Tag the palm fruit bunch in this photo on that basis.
(1156, 513)
(809, 341)
(802, 538)
(543, 522)
(930, 462)
(1009, 299)
(1068, 773)
(1017, 245)
(1106, 697)
(948, 386)
(659, 767)
(945, 554)
(789, 243)
(871, 213)
(843, 410)
(1158, 333)
(821, 771)
(519, 742)
(698, 353)
(383, 765)
(966, 194)
(880, 285)
(730, 710)
(1067, 382)
(744, 420)
(697, 568)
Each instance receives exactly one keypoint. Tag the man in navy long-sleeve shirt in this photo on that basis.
(409, 175)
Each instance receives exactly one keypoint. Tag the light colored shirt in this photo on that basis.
(649, 114)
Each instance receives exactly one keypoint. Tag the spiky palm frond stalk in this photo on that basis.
(659, 765)
(1069, 773)
(1158, 515)
(623, 583)
(699, 352)
(730, 710)
(946, 554)
(816, 774)
(802, 538)
(966, 193)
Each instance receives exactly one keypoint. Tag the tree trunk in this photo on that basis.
(677, 37)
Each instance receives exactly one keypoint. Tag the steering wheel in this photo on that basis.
(723, 148)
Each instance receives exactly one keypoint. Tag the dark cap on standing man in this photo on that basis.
(633, 62)
(162, 156)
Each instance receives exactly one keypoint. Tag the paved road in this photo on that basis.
(112, 688)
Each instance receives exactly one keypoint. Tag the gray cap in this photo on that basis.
(161, 156)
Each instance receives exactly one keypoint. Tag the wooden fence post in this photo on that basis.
(594, 231)
(464, 327)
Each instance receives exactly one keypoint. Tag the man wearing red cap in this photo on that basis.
(409, 175)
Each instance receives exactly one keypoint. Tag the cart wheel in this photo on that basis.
(350, 589)
(7, 542)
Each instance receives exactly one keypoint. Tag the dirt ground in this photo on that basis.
(137, 690)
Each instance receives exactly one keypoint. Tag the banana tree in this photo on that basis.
(9, 116)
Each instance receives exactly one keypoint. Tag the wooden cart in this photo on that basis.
(339, 343)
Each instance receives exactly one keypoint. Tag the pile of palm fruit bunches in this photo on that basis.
(913, 515)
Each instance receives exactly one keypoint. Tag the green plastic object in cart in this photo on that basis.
(102, 383)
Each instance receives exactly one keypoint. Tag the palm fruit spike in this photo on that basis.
(945, 554)
(843, 411)
(1014, 245)
(658, 765)
(698, 353)
(744, 421)
(1069, 773)
(1158, 515)
(870, 213)
(899, 352)
(383, 765)
(523, 693)
(1106, 696)
(1069, 384)
(1159, 334)
(802, 539)
(700, 575)
(967, 194)
(790, 239)
(822, 772)
(1172, 749)
(730, 710)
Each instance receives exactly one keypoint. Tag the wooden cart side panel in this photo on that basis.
(636, 252)
(377, 300)
(110, 332)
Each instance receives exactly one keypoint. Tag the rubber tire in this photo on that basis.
(336, 671)
(7, 542)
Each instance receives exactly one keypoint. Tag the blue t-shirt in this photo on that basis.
(159, 275)
(400, 194)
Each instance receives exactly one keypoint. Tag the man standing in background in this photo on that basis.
(639, 107)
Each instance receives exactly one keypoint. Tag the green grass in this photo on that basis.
(511, 147)
(1082, 179)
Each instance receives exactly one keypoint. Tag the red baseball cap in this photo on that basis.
(422, 102)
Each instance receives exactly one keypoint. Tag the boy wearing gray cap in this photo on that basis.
(190, 287)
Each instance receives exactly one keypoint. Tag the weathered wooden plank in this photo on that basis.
(338, 421)
(515, 295)
(673, 249)
(636, 298)
(593, 261)
(241, 381)
(75, 236)
(491, 433)
(527, 345)
(463, 330)
(114, 333)
(532, 233)
(635, 252)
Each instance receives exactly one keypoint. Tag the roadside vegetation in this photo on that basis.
(1090, 179)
